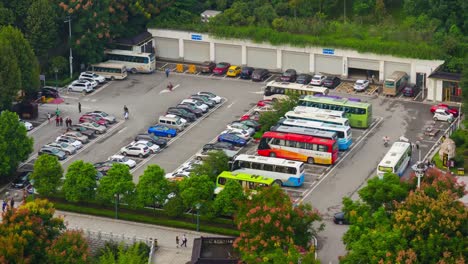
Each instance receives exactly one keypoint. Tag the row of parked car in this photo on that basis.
(87, 82)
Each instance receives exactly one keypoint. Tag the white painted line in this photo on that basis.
(167, 90)
(271, 76)
(416, 97)
(260, 92)
(230, 105)
(38, 127)
(100, 89)
(121, 130)
(162, 67)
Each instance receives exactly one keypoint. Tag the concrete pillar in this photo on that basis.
(212, 51)
(244, 55)
(181, 49)
(312, 63)
(279, 59)
(412, 73)
(382, 71)
(439, 90)
(345, 67)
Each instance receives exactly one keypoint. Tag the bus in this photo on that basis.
(110, 70)
(396, 160)
(395, 83)
(328, 112)
(247, 181)
(280, 90)
(298, 147)
(283, 172)
(342, 121)
(343, 132)
(134, 61)
(305, 131)
(358, 113)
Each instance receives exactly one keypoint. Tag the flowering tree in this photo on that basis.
(70, 247)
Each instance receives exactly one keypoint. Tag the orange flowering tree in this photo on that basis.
(271, 228)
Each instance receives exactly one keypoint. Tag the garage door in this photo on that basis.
(363, 64)
(328, 65)
(295, 60)
(391, 67)
(228, 53)
(167, 48)
(196, 51)
(261, 58)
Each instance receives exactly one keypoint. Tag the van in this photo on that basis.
(173, 121)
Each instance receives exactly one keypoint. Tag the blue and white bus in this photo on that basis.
(316, 110)
(305, 131)
(396, 160)
(282, 171)
(342, 121)
(344, 132)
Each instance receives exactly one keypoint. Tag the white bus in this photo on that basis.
(342, 121)
(135, 62)
(343, 132)
(282, 171)
(305, 131)
(280, 90)
(110, 70)
(316, 110)
(396, 160)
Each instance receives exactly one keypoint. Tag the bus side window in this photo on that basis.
(282, 142)
(267, 167)
(251, 185)
(301, 145)
(291, 170)
(292, 144)
(256, 166)
(275, 141)
(242, 164)
(322, 148)
(221, 181)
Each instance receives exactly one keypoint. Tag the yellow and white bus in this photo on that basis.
(395, 83)
(134, 61)
(280, 90)
(396, 160)
(111, 71)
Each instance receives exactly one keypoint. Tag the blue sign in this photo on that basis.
(328, 51)
(196, 37)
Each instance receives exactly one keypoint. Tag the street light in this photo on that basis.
(419, 169)
(56, 81)
(116, 196)
(198, 206)
(69, 40)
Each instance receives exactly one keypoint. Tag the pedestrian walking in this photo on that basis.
(12, 203)
(69, 122)
(79, 107)
(184, 241)
(125, 109)
(126, 115)
(49, 116)
(167, 72)
(177, 241)
(57, 120)
(61, 121)
(4, 206)
(57, 112)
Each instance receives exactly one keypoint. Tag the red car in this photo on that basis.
(250, 117)
(264, 102)
(221, 68)
(91, 118)
(451, 110)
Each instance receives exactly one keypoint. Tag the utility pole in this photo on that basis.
(70, 44)
(344, 10)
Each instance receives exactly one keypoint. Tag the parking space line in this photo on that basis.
(271, 76)
(100, 89)
(416, 97)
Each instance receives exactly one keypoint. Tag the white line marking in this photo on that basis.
(121, 130)
(229, 106)
(100, 89)
(416, 97)
(167, 90)
(260, 92)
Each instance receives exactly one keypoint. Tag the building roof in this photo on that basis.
(135, 40)
(445, 76)
(211, 13)
(212, 250)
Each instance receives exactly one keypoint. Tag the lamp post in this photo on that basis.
(56, 81)
(69, 40)
(116, 196)
(419, 169)
(198, 206)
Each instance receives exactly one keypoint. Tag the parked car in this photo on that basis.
(80, 87)
(78, 136)
(162, 131)
(411, 90)
(221, 68)
(443, 115)
(98, 78)
(304, 78)
(161, 142)
(123, 160)
(233, 71)
(153, 148)
(239, 125)
(207, 67)
(196, 103)
(290, 75)
(181, 113)
(49, 92)
(261, 109)
(27, 125)
(238, 132)
(103, 167)
(54, 152)
(254, 116)
(91, 82)
(265, 102)
(104, 115)
(93, 118)
(65, 147)
(259, 75)
(218, 146)
(340, 219)
(451, 110)
(361, 85)
(211, 96)
(331, 82)
(94, 126)
(192, 109)
(83, 130)
(135, 150)
(204, 99)
(233, 139)
(251, 123)
(246, 73)
(22, 181)
(63, 139)
(318, 80)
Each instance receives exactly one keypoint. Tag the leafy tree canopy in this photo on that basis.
(47, 174)
(227, 201)
(118, 181)
(153, 187)
(213, 165)
(196, 189)
(80, 181)
(10, 77)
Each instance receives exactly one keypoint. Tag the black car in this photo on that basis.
(161, 142)
(304, 78)
(49, 92)
(340, 219)
(218, 146)
(207, 67)
(204, 99)
(192, 109)
(22, 181)
(260, 75)
(83, 130)
(250, 123)
(181, 113)
(290, 75)
(331, 82)
(411, 90)
(246, 73)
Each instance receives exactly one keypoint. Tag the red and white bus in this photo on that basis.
(298, 147)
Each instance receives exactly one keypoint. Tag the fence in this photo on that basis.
(447, 133)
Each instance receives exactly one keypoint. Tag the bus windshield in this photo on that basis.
(385, 169)
(390, 83)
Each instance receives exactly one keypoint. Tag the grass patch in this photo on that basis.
(438, 163)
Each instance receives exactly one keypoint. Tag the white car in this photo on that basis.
(212, 96)
(122, 160)
(153, 148)
(76, 143)
(196, 103)
(135, 150)
(65, 147)
(27, 125)
(265, 108)
(443, 115)
(361, 85)
(94, 126)
(182, 120)
(96, 77)
(318, 79)
(238, 132)
(77, 135)
(80, 87)
(103, 115)
(94, 83)
(241, 126)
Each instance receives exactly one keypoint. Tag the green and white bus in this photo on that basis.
(358, 113)
(247, 181)
(396, 160)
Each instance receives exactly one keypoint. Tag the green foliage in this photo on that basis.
(227, 201)
(281, 107)
(464, 86)
(118, 181)
(133, 254)
(175, 207)
(61, 64)
(41, 27)
(384, 192)
(213, 165)
(196, 190)
(47, 174)
(10, 78)
(80, 181)
(152, 188)
(69, 247)
(6, 16)
(15, 145)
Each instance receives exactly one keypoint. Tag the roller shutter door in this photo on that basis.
(363, 64)
(261, 58)
(196, 51)
(228, 53)
(391, 67)
(295, 60)
(167, 48)
(328, 65)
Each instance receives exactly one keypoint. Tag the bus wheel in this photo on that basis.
(310, 160)
(278, 182)
(133, 70)
(112, 78)
(272, 154)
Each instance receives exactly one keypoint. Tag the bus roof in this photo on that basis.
(336, 101)
(305, 131)
(394, 154)
(318, 115)
(108, 64)
(245, 176)
(297, 86)
(300, 138)
(269, 160)
(126, 52)
(312, 124)
(396, 75)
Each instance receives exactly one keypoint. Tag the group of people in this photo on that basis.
(184, 241)
(5, 205)
(59, 120)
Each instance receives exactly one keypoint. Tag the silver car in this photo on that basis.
(104, 116)
(67, 148)
(94, 126)
(78, 136)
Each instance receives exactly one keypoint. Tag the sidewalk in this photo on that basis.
(167, 253)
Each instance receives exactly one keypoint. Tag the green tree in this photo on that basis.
(19, 9)
(227, 201)
(60, 64)
(6, 16)
(14, 144)
(47, 174)
(118, 182)
(153, 187)
(10, 77)
(213, 165)
(175, 207)
(464, 87)
(281, 107)
(41, 26)
(196, 189)
(383, 192)
(265, 14)
(69, 247)
(80, 182)
(133, 254)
